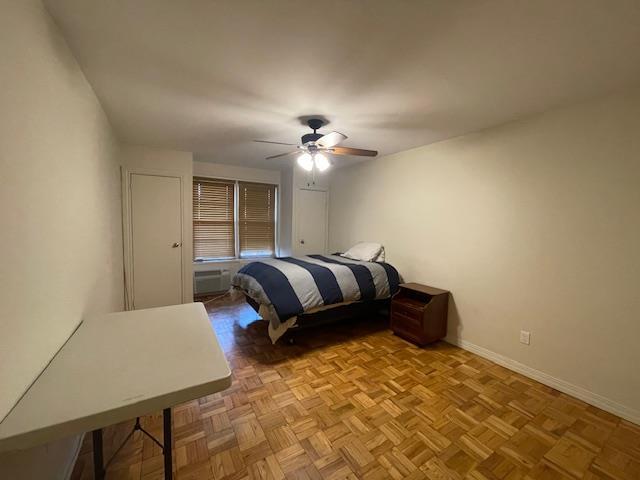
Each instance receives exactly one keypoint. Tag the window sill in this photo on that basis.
(214, 260)
(230, 260)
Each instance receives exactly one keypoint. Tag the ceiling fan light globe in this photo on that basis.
(321, 162)
(306, 162)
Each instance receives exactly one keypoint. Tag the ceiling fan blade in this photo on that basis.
(353, 151)
(281, 155)
(276, 143)
(331, 139)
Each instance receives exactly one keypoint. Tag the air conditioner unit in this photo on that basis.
(211, 281)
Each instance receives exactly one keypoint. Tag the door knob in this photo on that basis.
(302, 242)
(176, 245)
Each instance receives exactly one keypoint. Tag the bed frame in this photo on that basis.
(331, 315)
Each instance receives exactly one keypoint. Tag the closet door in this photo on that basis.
(311, 222)
(156, 240)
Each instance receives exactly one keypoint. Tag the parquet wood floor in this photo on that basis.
(354, 401)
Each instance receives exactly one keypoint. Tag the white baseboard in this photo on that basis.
(563, 386)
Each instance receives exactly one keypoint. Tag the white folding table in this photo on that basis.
(117, 367)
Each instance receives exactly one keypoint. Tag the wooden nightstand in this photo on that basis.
(419, 313)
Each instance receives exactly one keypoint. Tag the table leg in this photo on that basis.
(167, 447)
(98, 463)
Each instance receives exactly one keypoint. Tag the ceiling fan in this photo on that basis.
(314, 146)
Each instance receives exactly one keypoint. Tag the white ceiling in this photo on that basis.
(210, 76)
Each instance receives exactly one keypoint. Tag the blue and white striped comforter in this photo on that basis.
(291, 286)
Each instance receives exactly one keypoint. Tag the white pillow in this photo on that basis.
(380, 257)
(365, 251)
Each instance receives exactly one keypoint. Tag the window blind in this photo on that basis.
(256, 219)
(213, 218)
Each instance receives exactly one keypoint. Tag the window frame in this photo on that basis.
(236, 222)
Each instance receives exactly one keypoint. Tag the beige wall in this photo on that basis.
(61, 240)
(532, 225)
(180, 164)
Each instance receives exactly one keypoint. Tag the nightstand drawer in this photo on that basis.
(406, 327)
(412, 323)
(407, 310)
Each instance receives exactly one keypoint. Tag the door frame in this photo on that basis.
(297, 218)
(127, 228)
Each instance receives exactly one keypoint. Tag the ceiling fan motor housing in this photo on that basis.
(310, 137)
(314, 124)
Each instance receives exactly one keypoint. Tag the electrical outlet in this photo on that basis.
(525, 337)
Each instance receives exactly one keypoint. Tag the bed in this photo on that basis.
(286, 290)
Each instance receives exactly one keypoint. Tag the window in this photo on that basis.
(257, 219)
(213, 218)
(233, 219)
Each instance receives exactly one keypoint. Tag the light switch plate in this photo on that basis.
(525, 337)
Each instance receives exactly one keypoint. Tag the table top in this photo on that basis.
(418, 287)
(116, 367)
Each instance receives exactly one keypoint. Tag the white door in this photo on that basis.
(311, 222)
(156, 238)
